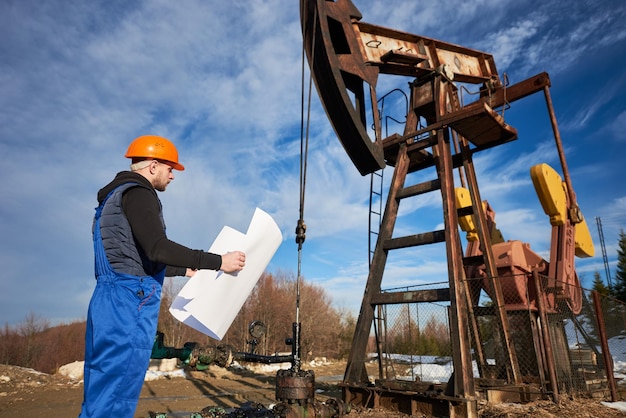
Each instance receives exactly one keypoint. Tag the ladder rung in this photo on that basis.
(474, 260)
(484, 310)
(411, 296)
(467, 210)
(415, 240)
(421, 188)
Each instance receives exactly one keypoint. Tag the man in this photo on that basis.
(132, 257)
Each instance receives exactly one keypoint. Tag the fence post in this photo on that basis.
(606, 354)
(546, 337)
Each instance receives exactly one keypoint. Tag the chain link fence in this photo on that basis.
(516, 337)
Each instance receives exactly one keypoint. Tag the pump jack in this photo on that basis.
(346, 57)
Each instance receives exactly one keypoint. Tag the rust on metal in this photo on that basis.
(295, 386)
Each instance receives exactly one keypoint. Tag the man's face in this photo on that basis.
(164, 174)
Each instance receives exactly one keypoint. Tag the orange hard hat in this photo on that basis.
(156, 147)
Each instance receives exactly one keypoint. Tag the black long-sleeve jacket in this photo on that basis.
(142, 207)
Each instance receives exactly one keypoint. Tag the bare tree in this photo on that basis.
(324, 332)
(28, 330)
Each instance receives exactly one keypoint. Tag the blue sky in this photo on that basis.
(80, 80)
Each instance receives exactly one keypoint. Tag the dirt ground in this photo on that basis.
(26, 393)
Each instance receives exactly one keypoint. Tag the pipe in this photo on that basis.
(546, 337)
(574, 211)
(606, 354)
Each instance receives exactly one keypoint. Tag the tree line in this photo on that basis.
(35, 344)
(617, 287)
(325, 331)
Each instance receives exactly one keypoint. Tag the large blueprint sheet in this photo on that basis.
(210, 300)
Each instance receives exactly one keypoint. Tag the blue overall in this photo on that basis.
(121, 326)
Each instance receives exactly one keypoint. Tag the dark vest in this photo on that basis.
(122, 251)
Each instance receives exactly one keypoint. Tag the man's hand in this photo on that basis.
(233, 262)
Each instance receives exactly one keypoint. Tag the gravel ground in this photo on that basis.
(26, 393)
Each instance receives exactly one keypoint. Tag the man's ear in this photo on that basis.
(153, 166)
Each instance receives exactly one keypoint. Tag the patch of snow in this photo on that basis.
(319, 361)
(163, 365)
(75, 370)
(156, 374)
(620, 406)
(266, 368)
(157, 370)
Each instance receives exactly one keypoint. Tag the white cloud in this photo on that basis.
(510, 43)
(618, 127)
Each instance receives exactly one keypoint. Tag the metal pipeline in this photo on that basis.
(295, 388)
(257, 358)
